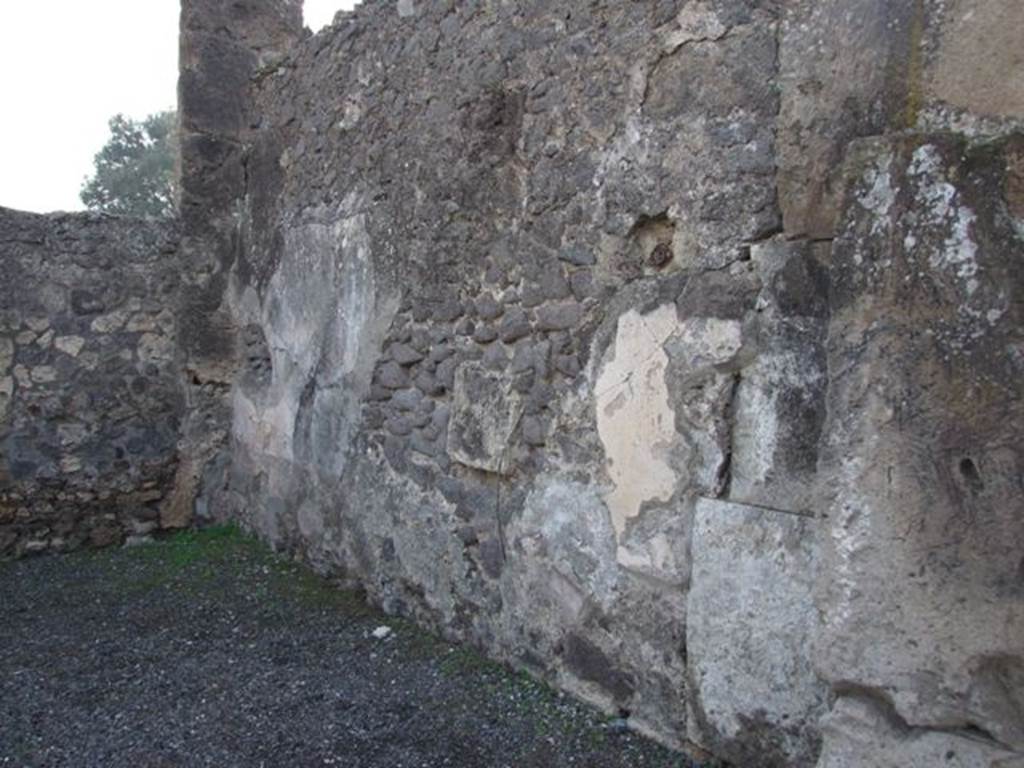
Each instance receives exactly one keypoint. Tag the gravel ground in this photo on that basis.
(207, 650)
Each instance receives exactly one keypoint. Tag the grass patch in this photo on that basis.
(202, 562)
(196, 553)
(461, 660)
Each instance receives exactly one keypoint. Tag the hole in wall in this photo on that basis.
(317, 14)
(654, 235)
(969, 471)
(258, 362)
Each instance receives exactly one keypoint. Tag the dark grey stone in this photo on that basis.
(514, 326)
(404, 354)
(422, 444)
(492, 558)
(392, 376)
(593, 664)
(559, 317)
(89, 451)
(428, 384)
(448, 311)
(578, 255)
(485, 334)
(581, 283)
(535, 430)
(399, 426)
(487, 308)
(441, 352)
(445, 373)
(407, 399)
(568, 365)
(495, 357)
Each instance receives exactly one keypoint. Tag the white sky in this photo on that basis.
(320, 13)
(66, 67)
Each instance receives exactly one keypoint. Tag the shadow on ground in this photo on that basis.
(209, 650)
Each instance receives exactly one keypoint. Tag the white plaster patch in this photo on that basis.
(635, 421)
(660, 547)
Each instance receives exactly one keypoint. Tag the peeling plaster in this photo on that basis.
(635, 420)
(303, 315)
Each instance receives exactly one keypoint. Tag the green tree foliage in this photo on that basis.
(135, 169)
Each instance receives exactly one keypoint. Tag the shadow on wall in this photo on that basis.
(317, 14)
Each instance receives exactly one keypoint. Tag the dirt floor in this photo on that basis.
(208, 650)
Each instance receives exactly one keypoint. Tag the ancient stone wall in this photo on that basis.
(921, 548)
(670, 349)
(225, 49)
(90, 398)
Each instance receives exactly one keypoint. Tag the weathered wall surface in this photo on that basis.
(568, 329)
(90, 398)
(223, 48)
(923, 549)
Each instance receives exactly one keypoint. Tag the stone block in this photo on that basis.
(779, 406)
(485, 413)
(844, 70)
(976, 48)
(861, 732)
(922, 596)
(750, 620)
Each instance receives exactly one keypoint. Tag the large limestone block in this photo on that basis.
(856, 68)
(780, 399)
(923, 589)
(748, 636)
(978, 57)
(843, 69)
(860, 732)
